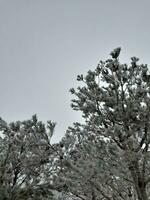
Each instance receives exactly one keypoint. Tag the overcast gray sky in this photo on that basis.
(44, 44)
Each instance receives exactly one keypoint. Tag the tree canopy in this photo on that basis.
(107, 157)
(112, 146)
(26, 160)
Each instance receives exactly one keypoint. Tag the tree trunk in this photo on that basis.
(138, 180)
(142, 193)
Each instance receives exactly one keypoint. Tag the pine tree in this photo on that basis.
(114, 140)
(26, 160)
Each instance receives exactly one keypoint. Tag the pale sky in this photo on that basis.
(44, 44)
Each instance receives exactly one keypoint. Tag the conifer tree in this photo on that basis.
(112, 146)
(27, 160)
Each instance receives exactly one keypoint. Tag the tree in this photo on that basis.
(91, 169)
(27, 160)
(105, 158)
(112, 146)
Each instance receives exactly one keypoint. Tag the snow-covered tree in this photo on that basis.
(27, 160)
(105, 158)
(108, 156)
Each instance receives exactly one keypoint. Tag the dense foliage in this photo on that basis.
(105, 158)
(26, 160)
(110, 158)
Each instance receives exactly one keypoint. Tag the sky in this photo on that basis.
(45, 44)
